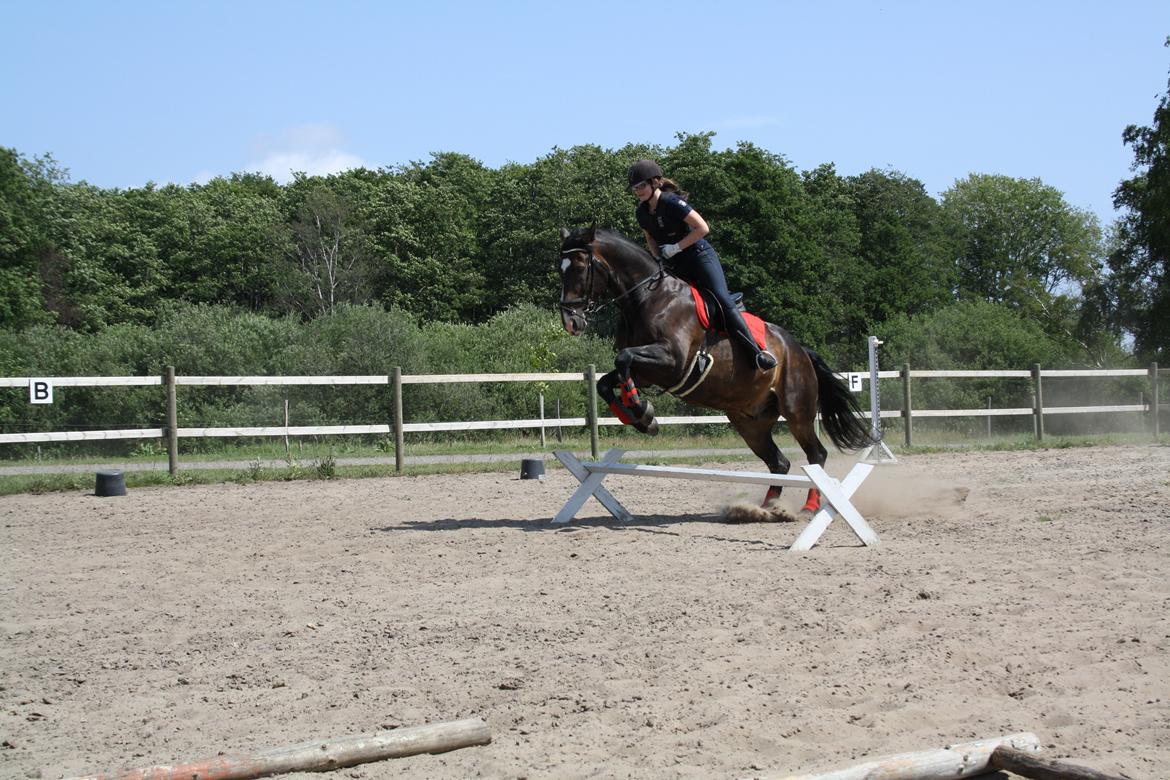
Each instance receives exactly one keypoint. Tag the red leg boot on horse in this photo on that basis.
(629, 406)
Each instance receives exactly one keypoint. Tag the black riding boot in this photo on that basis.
(735, 324)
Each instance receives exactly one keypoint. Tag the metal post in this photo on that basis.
(989, 417)
(172, 422)
(875, 402)
(1038, 402)
(591, 407)
(286, 450)
(1154, 402)
(875, 410)
(542, 421)
(907, 420)
(399, 437)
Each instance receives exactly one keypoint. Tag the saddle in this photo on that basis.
(705, 305)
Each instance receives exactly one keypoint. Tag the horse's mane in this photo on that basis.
(625, 246)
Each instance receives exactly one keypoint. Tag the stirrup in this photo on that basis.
(765, 361)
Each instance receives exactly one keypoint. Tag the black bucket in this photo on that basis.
(110, 483)
(531, 468)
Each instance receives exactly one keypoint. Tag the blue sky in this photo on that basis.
(122, 93)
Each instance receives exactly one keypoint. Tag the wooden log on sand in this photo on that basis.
(1027, 765)
(320, 755)
(953, 762)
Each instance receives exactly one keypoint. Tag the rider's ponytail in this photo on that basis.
(670, 185)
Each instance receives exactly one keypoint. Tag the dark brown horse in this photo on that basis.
(661, 342)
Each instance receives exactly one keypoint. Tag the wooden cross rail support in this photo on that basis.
(836, 494)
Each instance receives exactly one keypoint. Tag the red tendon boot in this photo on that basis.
(773, 494)
(620, 413)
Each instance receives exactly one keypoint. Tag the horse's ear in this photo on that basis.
(565, 233)
(591, 232)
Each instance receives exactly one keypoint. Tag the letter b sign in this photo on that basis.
(40, 391)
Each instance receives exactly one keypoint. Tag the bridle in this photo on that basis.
(588, 305)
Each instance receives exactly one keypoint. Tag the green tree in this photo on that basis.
(1136, 295)
(22, 189)
(906, 260)
(423, 227)
(235, 237)
(838, 283)
(1019, 243)
(99, 265)
(328, 260)
(527, 204)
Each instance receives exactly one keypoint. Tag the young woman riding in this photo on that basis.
(677, 232)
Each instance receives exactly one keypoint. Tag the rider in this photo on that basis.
(676, 231)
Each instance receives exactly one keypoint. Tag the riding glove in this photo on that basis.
(669, 251)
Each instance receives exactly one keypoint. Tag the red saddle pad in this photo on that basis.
(757, 326)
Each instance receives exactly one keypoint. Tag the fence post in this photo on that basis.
(399, 437)
(542, 421)
(907, 421)
(1154, 403)
(172, 422)
(1038, 404)
(591, 407)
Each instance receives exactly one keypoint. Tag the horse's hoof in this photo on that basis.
(652, 428)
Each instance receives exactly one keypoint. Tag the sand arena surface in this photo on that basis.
(1014, 591)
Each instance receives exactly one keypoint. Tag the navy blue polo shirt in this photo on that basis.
(667, 225)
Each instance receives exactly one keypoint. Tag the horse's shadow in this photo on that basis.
(649, 524)
(541, 525)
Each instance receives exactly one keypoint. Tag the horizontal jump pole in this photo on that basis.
(836, 494)
(954, 762)
(320, 755)
(706, 475)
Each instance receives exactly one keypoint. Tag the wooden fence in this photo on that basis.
(396, 381)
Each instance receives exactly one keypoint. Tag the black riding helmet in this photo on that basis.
(643, 170)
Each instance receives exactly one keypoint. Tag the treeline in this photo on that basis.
(449, 240)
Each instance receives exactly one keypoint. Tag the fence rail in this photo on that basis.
(399, 427)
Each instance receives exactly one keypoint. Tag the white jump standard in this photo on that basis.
(836, 493)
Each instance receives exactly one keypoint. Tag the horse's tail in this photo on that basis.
(840, 413)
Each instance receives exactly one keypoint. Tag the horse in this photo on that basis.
(660, 342)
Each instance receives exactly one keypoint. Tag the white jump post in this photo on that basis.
(836, 494)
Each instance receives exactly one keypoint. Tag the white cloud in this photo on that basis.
(315, 162)
(315, 149)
